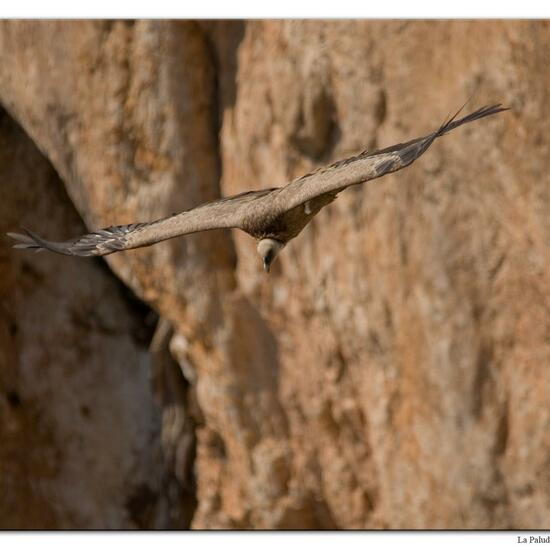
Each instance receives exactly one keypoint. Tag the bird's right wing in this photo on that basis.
(219, 214)
(368, 165)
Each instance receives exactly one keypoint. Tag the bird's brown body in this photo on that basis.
(286, 225)
(272, 216)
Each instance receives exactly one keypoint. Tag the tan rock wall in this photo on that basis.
(79, 430)
(393, 369)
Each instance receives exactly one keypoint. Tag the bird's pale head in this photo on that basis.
(268, 250)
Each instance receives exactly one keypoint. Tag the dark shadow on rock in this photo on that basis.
(224, 38)
(73, 365)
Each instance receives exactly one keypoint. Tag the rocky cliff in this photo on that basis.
(391, 372)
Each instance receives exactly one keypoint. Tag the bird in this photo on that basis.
(272, 216)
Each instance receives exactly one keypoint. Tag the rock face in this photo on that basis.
(392, 370)
(78, 425)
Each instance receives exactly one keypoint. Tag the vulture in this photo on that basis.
(271, 216)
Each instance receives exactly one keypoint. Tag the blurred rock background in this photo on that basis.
(393, 371)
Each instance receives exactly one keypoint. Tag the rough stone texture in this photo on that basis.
(392, 370)
(78, 425)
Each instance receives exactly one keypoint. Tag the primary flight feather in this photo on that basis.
(272, 216)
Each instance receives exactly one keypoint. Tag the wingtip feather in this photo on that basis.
(487, 110)
(22, 241)
(33, 241)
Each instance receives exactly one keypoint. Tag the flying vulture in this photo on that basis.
(272, 216)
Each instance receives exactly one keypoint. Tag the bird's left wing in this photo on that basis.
(219, 214)
(367, 165)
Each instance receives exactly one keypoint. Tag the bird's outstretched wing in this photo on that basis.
(368, 165)
(219, 214)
